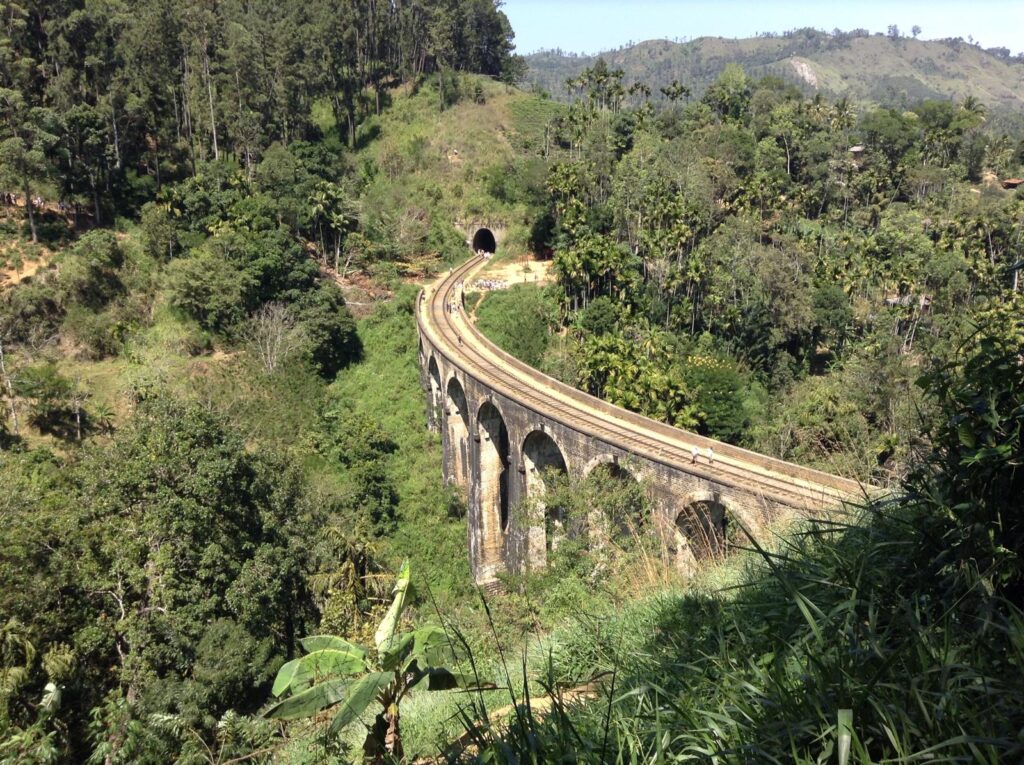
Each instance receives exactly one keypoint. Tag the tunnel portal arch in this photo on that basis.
(484, 240)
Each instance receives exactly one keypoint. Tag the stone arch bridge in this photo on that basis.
(504, 426)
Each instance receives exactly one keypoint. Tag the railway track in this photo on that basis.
(466, 348)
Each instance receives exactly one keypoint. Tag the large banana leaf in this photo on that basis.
(396, 651)
(310, 701)
(361, 693)
(386, 630)
(319, 642)
(299, 674)
(431, 648)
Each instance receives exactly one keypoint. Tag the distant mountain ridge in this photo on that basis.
(863, 67)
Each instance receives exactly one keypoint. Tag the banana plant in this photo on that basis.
(342, 676)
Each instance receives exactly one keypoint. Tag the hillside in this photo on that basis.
(871, 68)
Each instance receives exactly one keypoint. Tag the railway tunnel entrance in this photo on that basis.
(493, 499)
(457, 425)
(484, 240)
(542, 459)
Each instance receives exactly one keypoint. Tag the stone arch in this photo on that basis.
(628, 522)
(493, 486)
(434, 379)
(484, 240)
(701, 528)
(457, 422)
(604, 458)
(540, 454)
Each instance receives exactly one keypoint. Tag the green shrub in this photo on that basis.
(99, 334)
(519, 321)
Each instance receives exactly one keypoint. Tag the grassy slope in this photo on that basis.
(386, 386)
(865, 70)
(432, 163)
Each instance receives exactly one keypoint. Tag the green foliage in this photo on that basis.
(330, 330)
(425, 508)
(357, 442)
(977, 448)
(599, 317)
(401, 662)
(636, 373)
(172, 565)
(208, 289)
(89, 272)
(765, 671)
(718, 396)
(519, 320)
(49, 394)
(793, 233)
(730, 93)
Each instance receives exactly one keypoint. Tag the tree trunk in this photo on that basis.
(95, 200)
(31, 213)
(393, 741)
(348, 262)
(209, 94)
(117, 141)
(10, 391)
(351, 110)
(156, 160)
(186, 107)
(177, 114)
(248, 153)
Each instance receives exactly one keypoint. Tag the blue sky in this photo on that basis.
(588, 26)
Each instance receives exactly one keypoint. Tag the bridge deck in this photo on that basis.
(783, 482)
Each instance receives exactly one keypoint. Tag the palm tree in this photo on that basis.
(675, 90)
(974, 109)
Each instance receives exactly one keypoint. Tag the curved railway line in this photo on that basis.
(467, 349)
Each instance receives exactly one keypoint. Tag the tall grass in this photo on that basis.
(840, 616)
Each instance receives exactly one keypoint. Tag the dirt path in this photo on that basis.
(10, 276)
(539, 707)
(361, 294)
(519, 271)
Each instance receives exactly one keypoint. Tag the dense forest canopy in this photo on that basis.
(186, 493)
(103, 103)
(768, 268)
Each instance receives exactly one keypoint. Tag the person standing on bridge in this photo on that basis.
(711, 456)
(693, 453)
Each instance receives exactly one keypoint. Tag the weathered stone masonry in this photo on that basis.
(498, 443)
